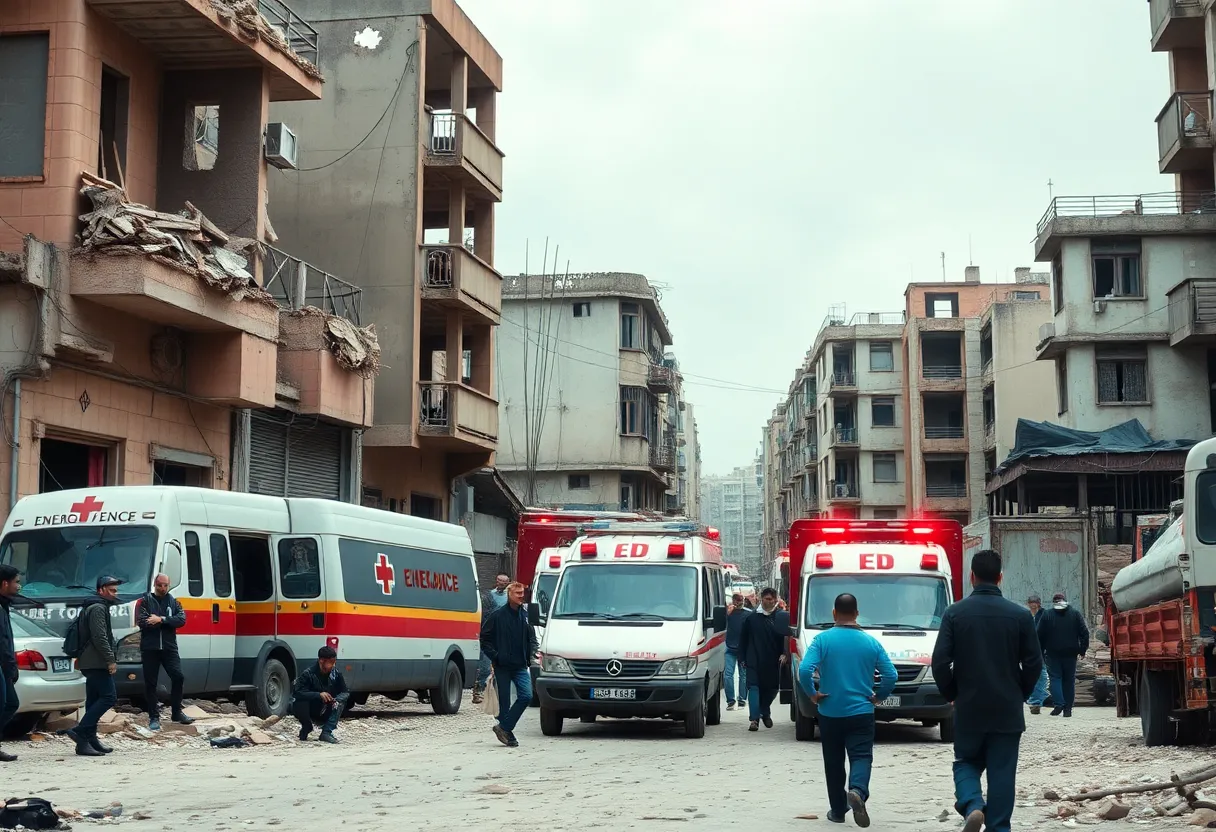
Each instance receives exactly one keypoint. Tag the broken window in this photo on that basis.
(24, 61)
(202, 145)
(941, 304)
(884, 468)
(882, 411)
(1122, 375)
(1116, 268)
(631, 327)
(1026, 295)
(882, 357)
(582, 309)
(115, 104)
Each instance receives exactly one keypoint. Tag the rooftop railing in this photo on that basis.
(296, 283)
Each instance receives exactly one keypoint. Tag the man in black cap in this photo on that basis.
(98, 662)
(159, 618)
(1065, 637)
(320, 695)
(10, 585)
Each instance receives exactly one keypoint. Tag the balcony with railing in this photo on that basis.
(945, 478)
(1192, 310)
(456, 417)
(459, 151)
(455, 278)
(296, 283)
(1135, 215)
(1184, 132)
(941, 360)
(1176, 24)
(843, 379)
(944, 416)
(839, 492)
(946, 489)
(943, 431)
(990, 435)
(844, 437)
(663, 457)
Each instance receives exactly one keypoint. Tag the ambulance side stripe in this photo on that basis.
(713, 642)
(341, 619)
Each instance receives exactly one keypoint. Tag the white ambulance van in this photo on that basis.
(637, 627)
(265, 582)
(548, 567)
(901, 574)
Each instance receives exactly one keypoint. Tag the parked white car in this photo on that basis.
(49, 682)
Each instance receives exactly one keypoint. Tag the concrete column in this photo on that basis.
(455, 346)
(485, 100)
(456, 209)
(483, 231)
(460, 83)
(482, 344)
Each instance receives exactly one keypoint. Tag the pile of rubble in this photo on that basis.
(1148, 798)
(253, 26)
(214, 725)
(187, 240)
(356, 348)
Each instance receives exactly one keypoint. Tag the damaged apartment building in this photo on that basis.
(154, 330)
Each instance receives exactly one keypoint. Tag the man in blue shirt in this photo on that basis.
(846, 659)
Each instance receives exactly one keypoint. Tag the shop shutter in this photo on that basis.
(267, 456)
(299, 457)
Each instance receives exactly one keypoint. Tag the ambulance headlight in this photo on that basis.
(128, 650)
(928, 677)
(555, 664)
(678, 667)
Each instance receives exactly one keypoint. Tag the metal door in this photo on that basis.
(222, 613)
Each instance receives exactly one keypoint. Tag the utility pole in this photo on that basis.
(943, 267)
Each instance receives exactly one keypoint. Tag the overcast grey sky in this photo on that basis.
(765, 159)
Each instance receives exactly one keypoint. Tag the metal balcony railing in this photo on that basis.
(298, 32)
(662, 457)
(434, 405)
(439, 269)
(949, 489)
(844, 378)
(1193, 307)
(986, 368)
(990, 433)
(1158, 204)
(843, 491)
(943, 432)
(941, 372)
(295, 283)
(1187, 115)
(844, 436)
(443, 133)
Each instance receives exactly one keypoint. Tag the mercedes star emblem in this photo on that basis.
(614, 667)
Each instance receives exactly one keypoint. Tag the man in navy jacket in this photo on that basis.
(159, 618)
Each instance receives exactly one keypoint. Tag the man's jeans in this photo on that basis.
(998, 755)
(758, 702)
(732, 663)
(308, 713)
(153, 661)
(509, 712)
(852, 736)
(484, 666)
(8, 703)
(99, 697)
(1039, 695)
(1063, 672)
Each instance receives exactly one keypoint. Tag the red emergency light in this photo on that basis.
(928, 561)
(675, 550)
(555, 561)
(713, 534)
(823, 560)
(588, 549)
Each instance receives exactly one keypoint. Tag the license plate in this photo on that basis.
(891, 702)
(614, 693)
(61, 665)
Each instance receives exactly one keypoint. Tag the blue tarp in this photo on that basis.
(1043, 439)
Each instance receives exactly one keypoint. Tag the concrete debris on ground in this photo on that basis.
(1165, 801)
(356, 348)
(253, 26)
(186, 241)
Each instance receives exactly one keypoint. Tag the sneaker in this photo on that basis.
(730, 705)
(974, 821)
(327, 737)
(501, 733)
(1067, 713)
(754, 726)
(858, 804)
(1034, 709)
(154, 724)
(767, 720)
(181, 719)
(511, 741)
(1056, 711)
(304, 732)
(835, 818)
(7, 758)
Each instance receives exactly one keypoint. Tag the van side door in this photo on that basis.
(302, 608)
(222, 613)
(253, 586)
(195, 594)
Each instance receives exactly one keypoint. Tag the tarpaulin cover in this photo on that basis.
(1043, 439)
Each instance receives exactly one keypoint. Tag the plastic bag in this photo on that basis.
(489, 702)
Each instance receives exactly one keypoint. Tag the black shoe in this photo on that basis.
(858, 804)
(835, 818)
(304, 732)
(755, 726)
(85, 749)
(974, 821)
(327, 737)
(767, 720)
(1067, 713)
(501, 733)
(154, 724)
(1057, 711)
(181, 719)
(96, 744)
(1034, 709)
(7, 758)
(511, 741)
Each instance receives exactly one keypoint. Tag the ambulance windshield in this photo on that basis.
(546, 582)
(627, 591)
(892, 602)
(66, 561)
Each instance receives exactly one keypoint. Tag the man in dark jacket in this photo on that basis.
(159, 618)
(1064, 636)
(491, 600)
(510, 642)
(98, 662)
(736, 614)
(319, 695)
(763, 640)
(10, 585)
(986, 661)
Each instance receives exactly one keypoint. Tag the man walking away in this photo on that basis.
(491, 599)
(10, 585)
(510, 643)
(986, 661)
(736, 614)
(846, 658)
(762, 640)
(1035, 604)
(98, 662)
(1064, 636)
(319, 695)
(159, 618)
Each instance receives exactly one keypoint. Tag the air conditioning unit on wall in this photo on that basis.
(280, 146)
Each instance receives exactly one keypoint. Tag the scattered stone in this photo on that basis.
(1111, 809)
(258, 738)
(111, 716)
(1068, 810)
(142, 816)
(493, 788)
(112, 727)
(1051, 795)
(806, 817)
(178, 728)
(57, 723)
(1203, 817)
(194, 712)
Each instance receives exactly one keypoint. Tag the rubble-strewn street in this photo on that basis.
(399, 763)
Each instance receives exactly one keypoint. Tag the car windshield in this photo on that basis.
(883, 601)
(66, 561)
(24, 628)
(634, 590)
(546, 582)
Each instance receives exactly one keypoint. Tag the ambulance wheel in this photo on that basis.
(550, 722)
(804, 727)
(445, 699)
(713, 715)
(946, 729)
(694, 722)
(1155, 700)
(272, 696)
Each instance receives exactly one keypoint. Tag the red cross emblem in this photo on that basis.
(384, 574)
(86, 507)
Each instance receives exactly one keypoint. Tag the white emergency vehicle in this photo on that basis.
(548, 567)
(265, 582)
(902, 576)
(637, 627)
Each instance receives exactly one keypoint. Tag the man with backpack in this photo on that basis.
(159, 618)
(10, 585)
(90, 641)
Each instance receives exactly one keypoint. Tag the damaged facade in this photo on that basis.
(154, 334)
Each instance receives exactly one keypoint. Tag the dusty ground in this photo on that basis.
(405, 765)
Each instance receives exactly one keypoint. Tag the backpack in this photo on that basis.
(31, 813)
(77, 638)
